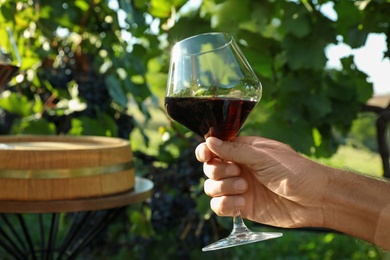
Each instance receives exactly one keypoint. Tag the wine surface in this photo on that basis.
(6, 73)
(219, 117)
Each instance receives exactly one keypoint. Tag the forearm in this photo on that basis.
(359, 206)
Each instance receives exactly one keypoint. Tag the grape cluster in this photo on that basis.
(174, 215)
(60, 71)
(93, 90)
(125, 125)
(6, 121)
(162, 205)
(76, 67)
(174, 201)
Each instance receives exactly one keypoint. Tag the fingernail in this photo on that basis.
(239, 201)
(199, 155)
(215, 141)
(240, 185)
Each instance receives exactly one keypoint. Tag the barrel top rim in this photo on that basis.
(48, 142)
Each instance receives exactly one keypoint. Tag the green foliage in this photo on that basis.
(285, 42)
(84, 62)
(363, 132)
(78, 46)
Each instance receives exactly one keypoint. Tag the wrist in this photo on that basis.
(358, 206)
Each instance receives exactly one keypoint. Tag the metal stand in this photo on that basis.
(49, 239)
(49, 230)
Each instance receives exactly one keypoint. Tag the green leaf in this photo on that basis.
(83, 5)
(364, 90)
(350, 23)
(296, 132)
(137, 62)
(16, 103)
(160, 9)
(356, 37)
(34, 126)
(115, 90)
(297, 22)
(139, 91)
(348, 14)
(163, 8)
(259, 57)
(203, 205)
(180, 30)
(7, 11)
(142, 225)
(157, 82)
(223, 17)
(29, 62)
(89, 126)
(303, 53)
(317, 137)
(318, 106)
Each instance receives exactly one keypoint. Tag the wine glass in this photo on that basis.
(211, 90)
(10, 60)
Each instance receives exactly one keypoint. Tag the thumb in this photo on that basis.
(239, 150)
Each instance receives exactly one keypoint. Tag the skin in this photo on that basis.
(270, 183)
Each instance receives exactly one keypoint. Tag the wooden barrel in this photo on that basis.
(36, 167)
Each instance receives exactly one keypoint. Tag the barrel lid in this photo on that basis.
(38, 142)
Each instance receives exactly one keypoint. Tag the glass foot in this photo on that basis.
(236, 239)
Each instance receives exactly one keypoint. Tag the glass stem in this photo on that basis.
(239, 225)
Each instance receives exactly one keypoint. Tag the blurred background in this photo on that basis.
(99, 67)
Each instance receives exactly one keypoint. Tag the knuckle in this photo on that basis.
(215, 169)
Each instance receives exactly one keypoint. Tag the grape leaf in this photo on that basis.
(116, 91)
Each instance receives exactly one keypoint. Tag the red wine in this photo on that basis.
(219, 117)
(6, 73)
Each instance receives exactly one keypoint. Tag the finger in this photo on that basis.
(217, 169)
(240, 150)
(203, 153)
(230, 186)
(227, 205)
